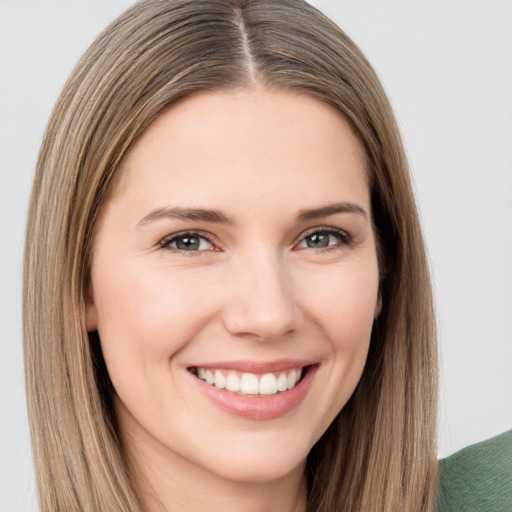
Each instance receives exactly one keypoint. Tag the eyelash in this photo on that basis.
(166, 242)
(344, 239)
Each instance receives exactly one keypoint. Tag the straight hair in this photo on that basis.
(379, 454)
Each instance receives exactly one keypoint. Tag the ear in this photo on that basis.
(91, 313)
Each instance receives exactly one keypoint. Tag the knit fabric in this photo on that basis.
(478, 478)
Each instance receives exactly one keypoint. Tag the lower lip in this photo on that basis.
(258, 407)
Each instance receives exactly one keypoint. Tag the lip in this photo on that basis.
(258, 407)
(257, 366)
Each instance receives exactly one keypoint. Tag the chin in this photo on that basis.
(260, 471)
(259, 458)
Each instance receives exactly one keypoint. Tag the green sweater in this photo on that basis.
(478, 478)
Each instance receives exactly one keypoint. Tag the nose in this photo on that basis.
(261, 303)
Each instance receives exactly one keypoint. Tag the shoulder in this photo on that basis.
(478, 477)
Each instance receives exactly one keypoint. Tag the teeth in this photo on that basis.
(290, 380)
(250, 383)
(282, 384)
(233, 383)
(220, 380)
(268, 384)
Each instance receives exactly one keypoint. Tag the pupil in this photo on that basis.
(188, 243)
(318, 240)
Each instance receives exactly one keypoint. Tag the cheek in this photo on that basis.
(343, 306)
(344, 302)
(143, 322)
(144, 303)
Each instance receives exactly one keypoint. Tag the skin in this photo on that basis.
(256, 289)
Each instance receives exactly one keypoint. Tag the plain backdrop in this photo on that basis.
(447, 66)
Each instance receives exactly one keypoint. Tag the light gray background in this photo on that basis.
(447, 66)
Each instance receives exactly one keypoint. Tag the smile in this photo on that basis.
(266, 384)
(256, 391)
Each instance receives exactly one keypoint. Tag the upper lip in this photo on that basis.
(247, 366)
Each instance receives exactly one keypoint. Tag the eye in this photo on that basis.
(324, 239)
(188, 242)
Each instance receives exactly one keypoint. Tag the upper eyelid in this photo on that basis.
(324, 229)
(329, 229)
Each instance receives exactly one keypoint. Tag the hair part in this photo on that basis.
(380, 452)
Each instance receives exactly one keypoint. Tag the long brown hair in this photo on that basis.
(380, 452)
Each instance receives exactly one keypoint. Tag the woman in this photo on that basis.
(207, 164)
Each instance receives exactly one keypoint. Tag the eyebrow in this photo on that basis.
(331, 209)
(186, 214)
(216, 216)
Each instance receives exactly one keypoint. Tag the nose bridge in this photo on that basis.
(261, 303)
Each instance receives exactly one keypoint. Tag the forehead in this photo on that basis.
(250, 138)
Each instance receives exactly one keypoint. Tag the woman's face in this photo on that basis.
(236, 256)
